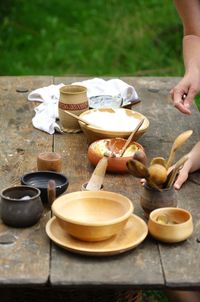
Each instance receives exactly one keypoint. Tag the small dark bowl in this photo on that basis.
(21, 206)
(40, 180)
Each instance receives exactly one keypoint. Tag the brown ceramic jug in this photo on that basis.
(152, 199)
(73, 98)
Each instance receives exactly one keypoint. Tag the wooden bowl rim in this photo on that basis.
(114, 138)
(117, 133)
(99, 194)
(152, 217)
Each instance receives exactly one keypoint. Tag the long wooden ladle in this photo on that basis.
(179, 141)
(127, 143)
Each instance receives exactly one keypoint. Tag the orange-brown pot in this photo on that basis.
(115, 164)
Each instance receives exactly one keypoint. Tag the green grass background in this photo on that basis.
(94, 38)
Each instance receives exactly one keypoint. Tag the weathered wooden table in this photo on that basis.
(30, 260)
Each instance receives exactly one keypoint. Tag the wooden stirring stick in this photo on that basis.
(130, 138)
(51, 191)
(81, 119)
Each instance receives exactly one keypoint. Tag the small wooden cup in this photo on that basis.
(84, 185)
(49, 161)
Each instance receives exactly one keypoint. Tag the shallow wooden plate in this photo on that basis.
(132, 235)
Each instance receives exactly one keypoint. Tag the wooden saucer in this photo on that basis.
(132, 235)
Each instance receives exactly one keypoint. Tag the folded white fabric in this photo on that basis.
(47, 112)
(113, 87)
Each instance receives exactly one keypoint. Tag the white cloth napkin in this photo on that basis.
(47, 112)
(114, 87)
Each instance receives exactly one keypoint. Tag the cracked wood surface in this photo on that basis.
(25, 260)
(151, 264)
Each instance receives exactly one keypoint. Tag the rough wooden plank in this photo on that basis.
(26, 259)
(179, 261)
(139, 267)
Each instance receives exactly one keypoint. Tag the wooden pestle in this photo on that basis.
(51, 191)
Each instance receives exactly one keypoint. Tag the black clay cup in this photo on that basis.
(21, 206)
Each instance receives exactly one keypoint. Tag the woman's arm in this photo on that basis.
(189, 86)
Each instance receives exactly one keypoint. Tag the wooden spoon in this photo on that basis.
(130, 138)
(81, 119)
(179, 141)
(140, 156)
(159, 160)
(158, 173)
(175, 170)
(137, 169)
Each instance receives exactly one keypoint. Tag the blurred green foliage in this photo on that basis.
(63, 37)
(141, 37)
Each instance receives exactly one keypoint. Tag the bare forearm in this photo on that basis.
(184, 92)
(189, 12)
(191, 52)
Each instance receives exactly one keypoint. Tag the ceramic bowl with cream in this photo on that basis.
(116, 163)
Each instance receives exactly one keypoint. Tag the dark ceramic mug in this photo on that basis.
(152, 199)
(21, 206)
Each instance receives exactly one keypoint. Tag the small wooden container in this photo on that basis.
(170, 224)
(49, 161)
(84, 185)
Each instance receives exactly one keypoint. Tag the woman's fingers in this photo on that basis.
(142, 181)
(182, 177)
(180, 100)
(183, 94)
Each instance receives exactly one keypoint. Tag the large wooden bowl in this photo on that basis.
(170, 224)
(111, 123)
(92, 216)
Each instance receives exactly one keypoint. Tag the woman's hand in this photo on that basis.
(191, 165)
(184, 92)
(183, 174)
